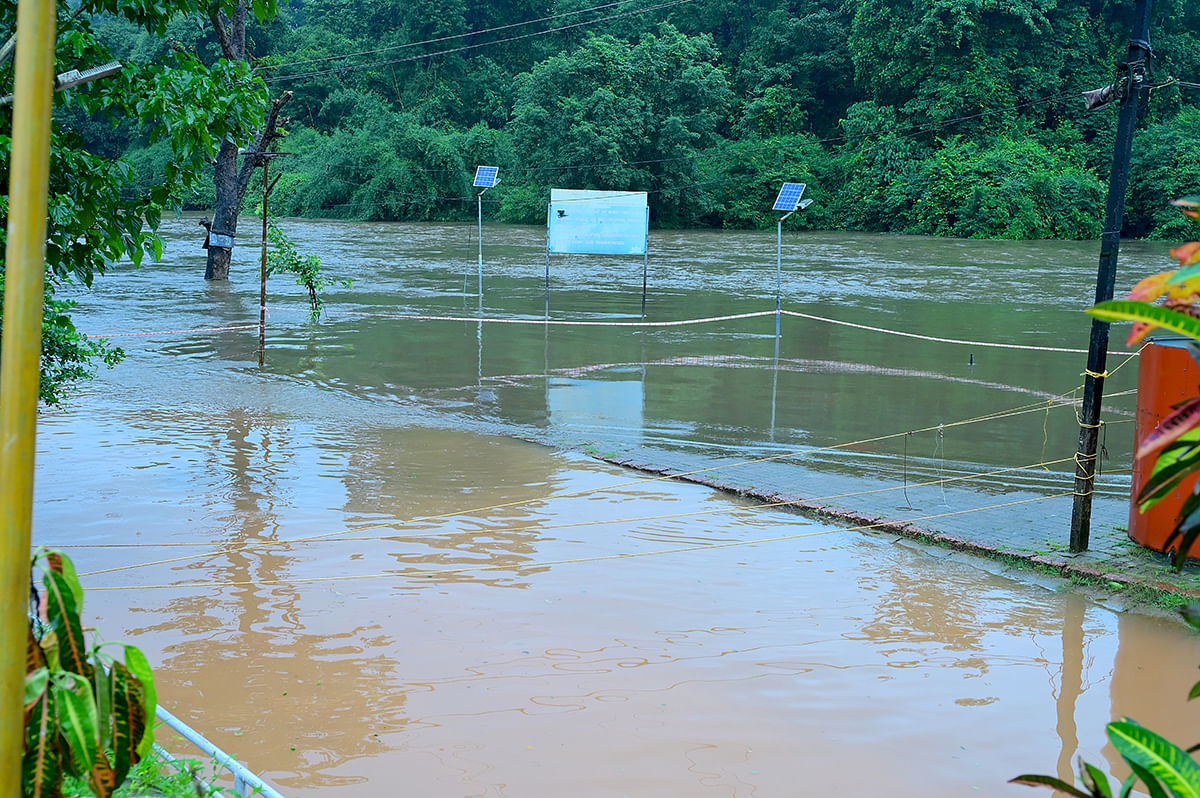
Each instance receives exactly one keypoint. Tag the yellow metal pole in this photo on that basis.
(24, 266)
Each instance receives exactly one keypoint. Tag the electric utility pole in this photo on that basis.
(1131, 88)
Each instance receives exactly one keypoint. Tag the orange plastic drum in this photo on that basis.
(1167, 375)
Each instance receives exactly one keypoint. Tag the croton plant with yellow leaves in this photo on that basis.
(1169, 301)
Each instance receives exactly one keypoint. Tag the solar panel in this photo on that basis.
(789, 197)
(485, 176)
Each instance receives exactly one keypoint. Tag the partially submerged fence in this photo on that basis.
(245, 782)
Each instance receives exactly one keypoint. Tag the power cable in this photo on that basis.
(439, 39)
(466, 47)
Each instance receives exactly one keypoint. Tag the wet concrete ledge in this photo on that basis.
(1114, 566)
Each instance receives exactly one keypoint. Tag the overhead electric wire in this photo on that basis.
(465, 47)
(439, 39)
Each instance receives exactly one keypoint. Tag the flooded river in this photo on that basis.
(363, 571)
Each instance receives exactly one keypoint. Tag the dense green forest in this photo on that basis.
(942, 117)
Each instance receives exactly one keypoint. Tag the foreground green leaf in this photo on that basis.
(140, 669)
(1157, 315)
(1157, 755)
(1034, 780)
(76, 715)
(41, 766)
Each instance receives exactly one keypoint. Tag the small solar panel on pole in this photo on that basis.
(788, 200)
(485, 177)
(789, 197)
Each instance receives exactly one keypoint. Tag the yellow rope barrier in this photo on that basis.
(547, 564)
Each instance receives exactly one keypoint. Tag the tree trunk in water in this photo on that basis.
(225, 211)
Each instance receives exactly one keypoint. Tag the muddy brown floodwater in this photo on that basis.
(356, 571)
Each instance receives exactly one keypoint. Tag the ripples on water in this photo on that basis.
(351, 577)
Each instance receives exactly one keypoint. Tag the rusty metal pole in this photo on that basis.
(262, 293)
(1136, 62)
(25, 274)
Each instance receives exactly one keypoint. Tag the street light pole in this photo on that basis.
(779, 263)
(779, 270)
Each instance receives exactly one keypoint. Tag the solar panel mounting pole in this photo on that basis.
(485, 177)
(479, 211)
(788, 200)
(779, 271)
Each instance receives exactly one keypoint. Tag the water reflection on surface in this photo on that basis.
(351, 576)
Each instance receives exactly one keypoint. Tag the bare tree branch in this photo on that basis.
(215, 15)
(262, 142)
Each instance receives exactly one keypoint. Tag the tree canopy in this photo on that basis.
(902, 116)
(169, 102)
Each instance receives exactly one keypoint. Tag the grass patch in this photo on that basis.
(154, 777)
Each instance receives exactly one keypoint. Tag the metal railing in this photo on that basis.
(245, 782)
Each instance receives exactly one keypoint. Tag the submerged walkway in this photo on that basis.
(1027, 527)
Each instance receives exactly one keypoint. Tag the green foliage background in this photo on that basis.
(938, 117)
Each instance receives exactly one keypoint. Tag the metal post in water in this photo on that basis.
(268, 186)
(779, 270)
(1136, 64)
(774, 385)
(25, 274)
(262, 291)
(479, 204)
(645, 268)
(778, 274)
(645, 261)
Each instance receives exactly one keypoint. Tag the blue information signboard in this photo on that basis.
(598, 222)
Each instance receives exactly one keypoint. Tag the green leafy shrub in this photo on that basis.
(1006, 188)
(87, 714)
(284, 257)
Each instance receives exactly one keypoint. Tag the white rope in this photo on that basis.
(945, 340)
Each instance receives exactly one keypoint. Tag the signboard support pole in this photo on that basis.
(547, 282)
(645, 268)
